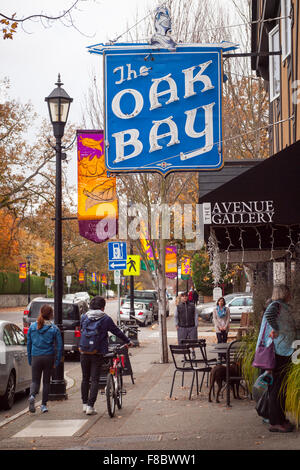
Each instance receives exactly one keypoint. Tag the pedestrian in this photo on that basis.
(94, 326)
(195, 296)
(221, 320)
(280, 328)
(186, 319)
(44, 348)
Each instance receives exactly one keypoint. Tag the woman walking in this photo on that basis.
(44, 348)
(278, 326)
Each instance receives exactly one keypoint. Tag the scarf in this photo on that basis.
(221, 311)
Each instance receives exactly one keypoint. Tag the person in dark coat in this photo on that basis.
(186, 319)
(91, 361)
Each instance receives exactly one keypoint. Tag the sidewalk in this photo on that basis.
(149, 419)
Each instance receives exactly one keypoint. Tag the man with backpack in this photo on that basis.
(94, 326)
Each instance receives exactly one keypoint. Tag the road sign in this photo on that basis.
(133, 266)
(69, 281)
(163, 109)
(117, 277)
(117, 255)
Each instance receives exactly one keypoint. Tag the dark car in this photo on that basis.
(71, 314)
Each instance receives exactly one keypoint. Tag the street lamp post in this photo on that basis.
(58, 104)
(28, 276)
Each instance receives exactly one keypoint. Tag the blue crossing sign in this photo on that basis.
(117, 255)
(163, 109)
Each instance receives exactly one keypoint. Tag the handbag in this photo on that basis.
(264, 357)
(262, 406)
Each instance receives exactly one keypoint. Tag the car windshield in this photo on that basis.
(69, 310)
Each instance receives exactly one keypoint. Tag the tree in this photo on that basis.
(10, 23)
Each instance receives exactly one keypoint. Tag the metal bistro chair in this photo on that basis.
(199, 357)
(182, 355)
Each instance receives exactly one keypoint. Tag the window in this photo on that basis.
(238, 302)
(9, 337)
(286, 28)
(19, 335)
(274, 63)
(249, 301)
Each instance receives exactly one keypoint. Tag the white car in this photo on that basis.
(142, 314)
(237, 303)
(15, 372)
(83, 296)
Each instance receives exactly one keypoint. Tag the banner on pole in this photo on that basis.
(22, 271)
(97, 199)
(171, 262)
(81, 276)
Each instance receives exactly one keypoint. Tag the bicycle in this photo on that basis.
(114, 384)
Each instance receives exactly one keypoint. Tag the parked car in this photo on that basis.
(83, 296)
(150, 299)
(72, 311)
(237, 303)
(167, 301)
(143, 314)
(110, 294)
(15, 372)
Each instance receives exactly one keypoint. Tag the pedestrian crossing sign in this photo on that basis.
(133, 264)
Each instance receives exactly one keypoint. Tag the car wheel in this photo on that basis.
(211, 318)
(7, 400)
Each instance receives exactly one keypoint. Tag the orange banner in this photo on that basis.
(97, 196)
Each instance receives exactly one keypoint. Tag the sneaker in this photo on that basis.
(31, 404)
(90, 410)
(44, 409)
(84, 407)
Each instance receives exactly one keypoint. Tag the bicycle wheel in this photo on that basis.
(120, 391)
(110, 395)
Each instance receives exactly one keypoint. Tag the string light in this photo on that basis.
(259, 238)
(292, 244)
(242, 243)
(228, 248)
(272, 243)
(214, 257)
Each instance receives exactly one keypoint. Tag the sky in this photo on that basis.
(37, 53)
(35, 56)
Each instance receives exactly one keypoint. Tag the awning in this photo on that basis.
(260, 209)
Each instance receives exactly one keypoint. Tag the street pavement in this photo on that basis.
(149, 420)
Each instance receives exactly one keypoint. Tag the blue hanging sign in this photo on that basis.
(163, 108)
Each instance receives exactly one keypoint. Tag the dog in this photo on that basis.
(218, 376)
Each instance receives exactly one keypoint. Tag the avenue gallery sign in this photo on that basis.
(237, 213)
(163, 108)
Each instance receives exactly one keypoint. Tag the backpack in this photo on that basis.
(90, 339)
(190, 297)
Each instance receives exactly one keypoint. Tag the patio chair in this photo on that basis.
(199, 357)
(183, 363)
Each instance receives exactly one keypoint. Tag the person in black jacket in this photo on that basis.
(186, 319)
(91, 357)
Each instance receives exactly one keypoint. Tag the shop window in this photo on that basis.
(274, 63)
(286, 28)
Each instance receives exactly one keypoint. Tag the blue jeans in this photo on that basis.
(91, 369)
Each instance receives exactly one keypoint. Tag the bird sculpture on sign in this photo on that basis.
(162, 24)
